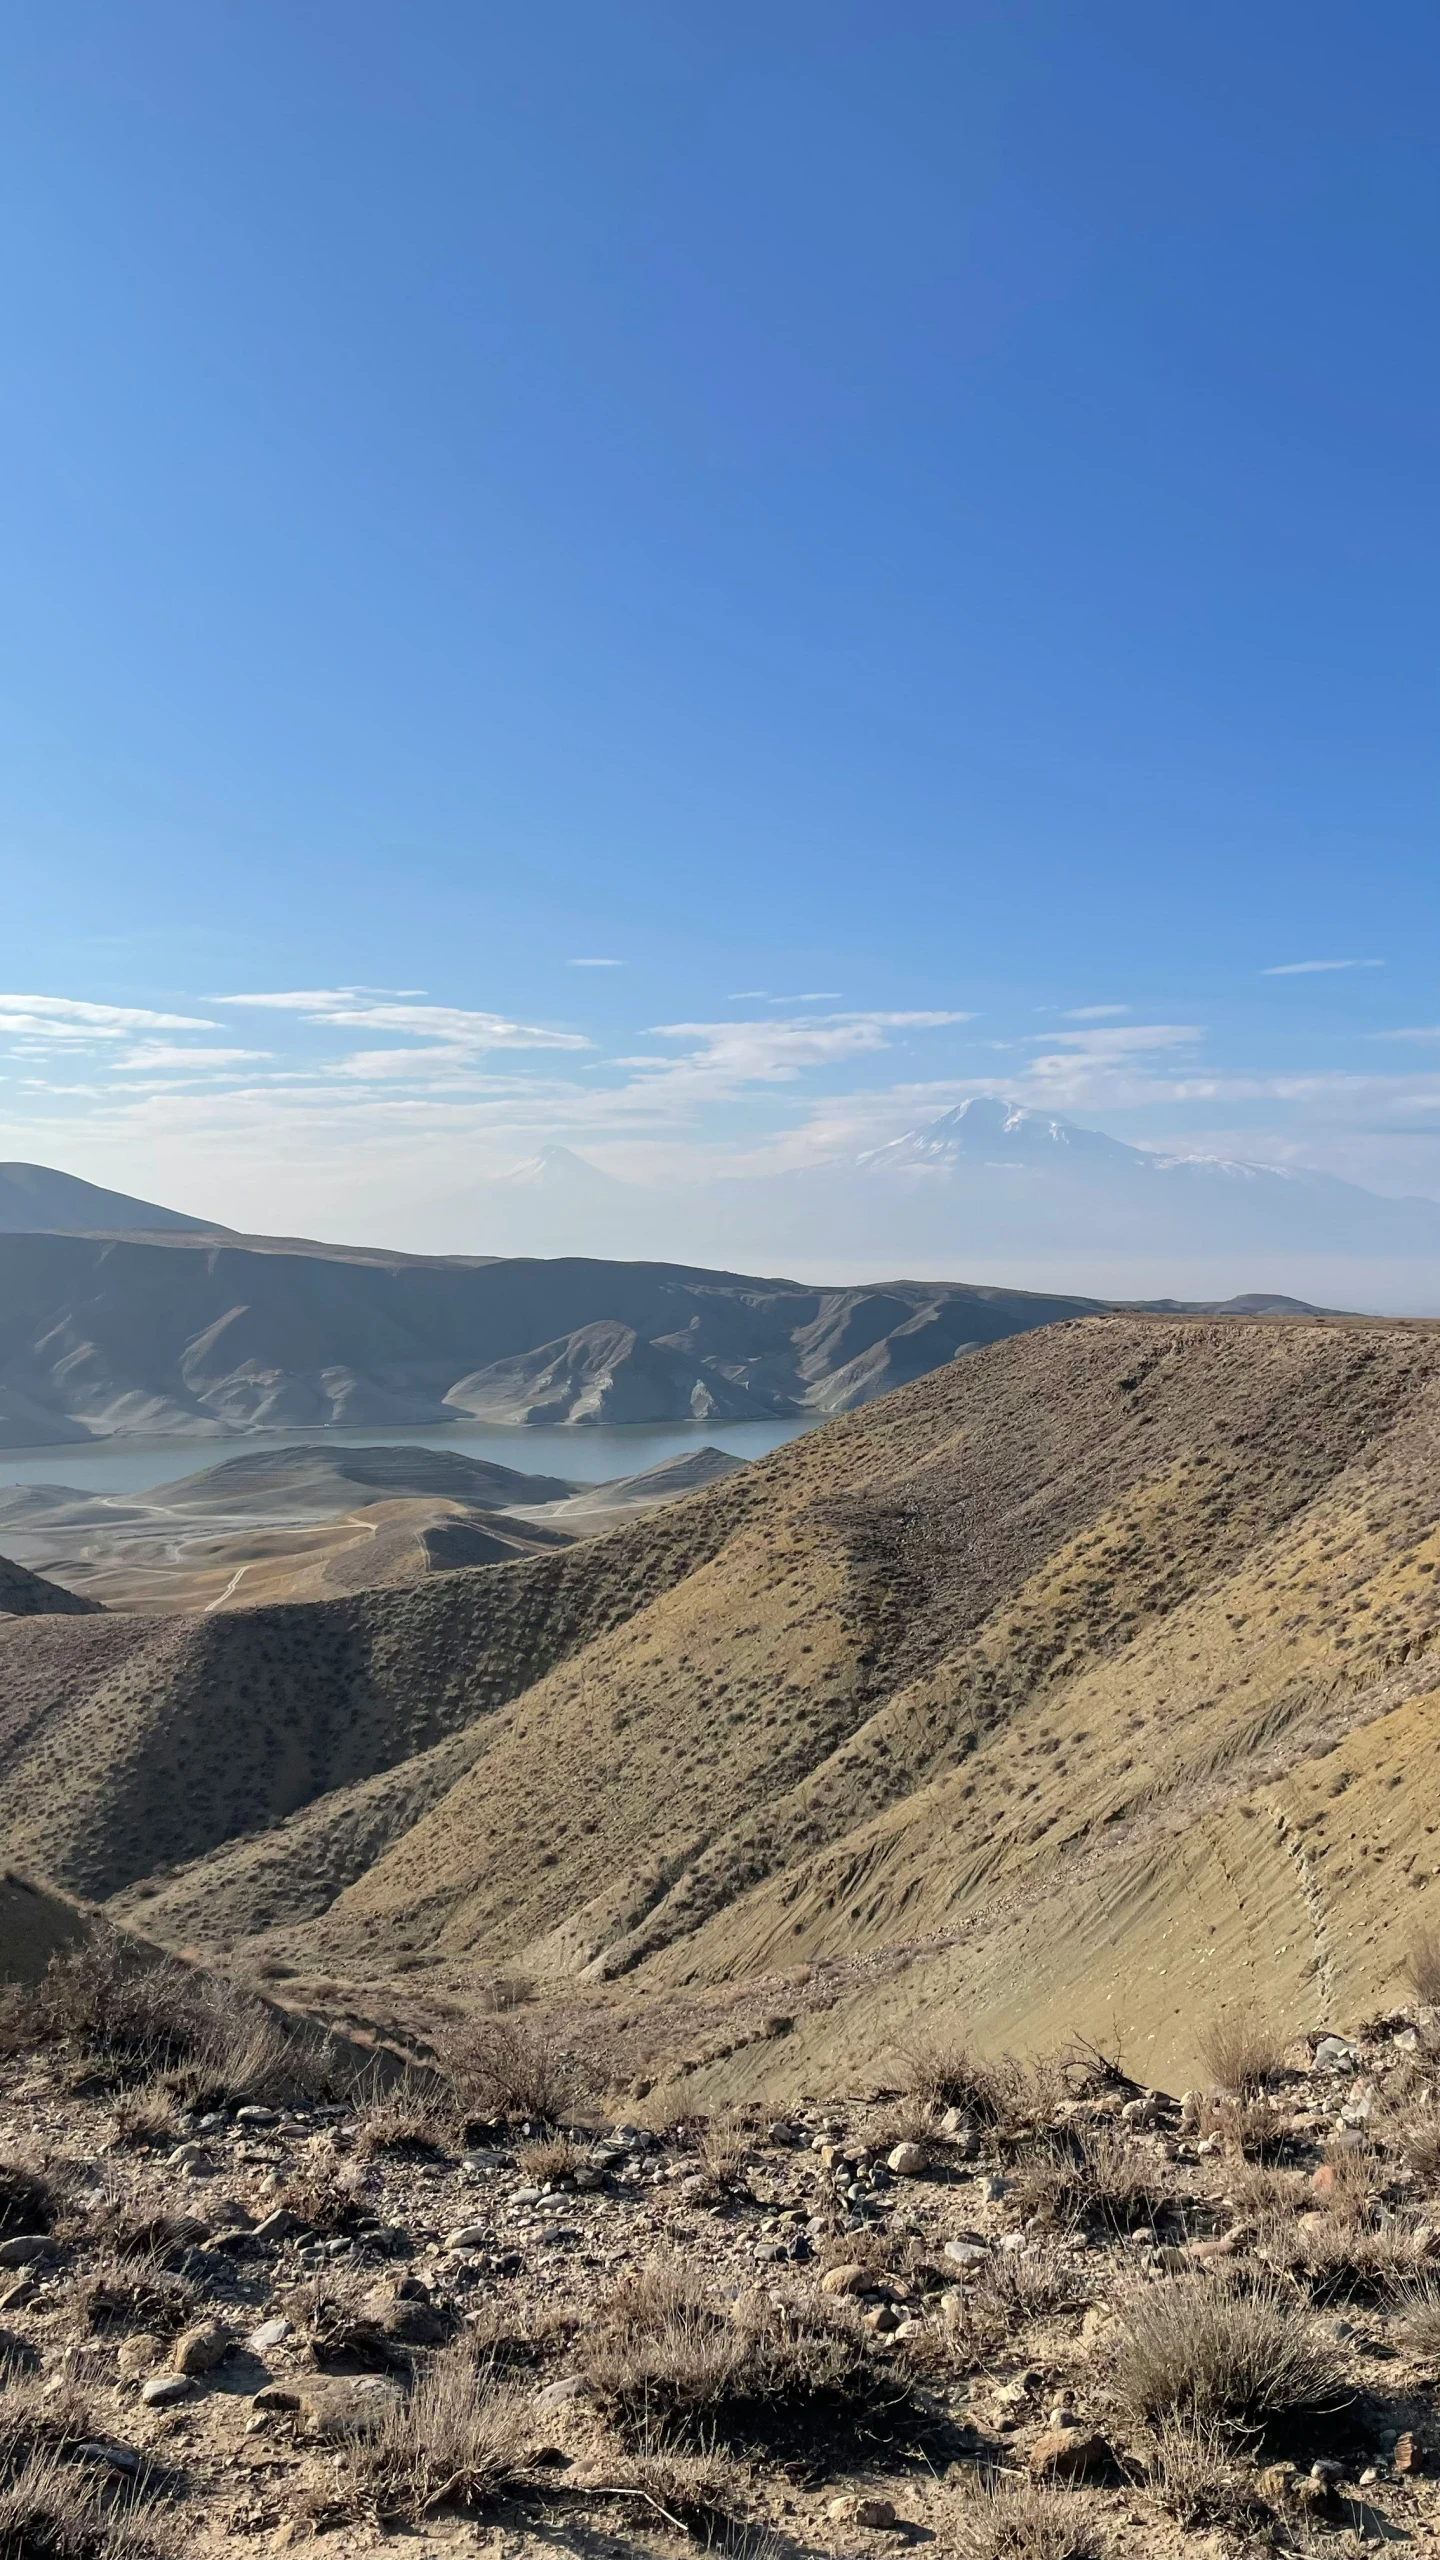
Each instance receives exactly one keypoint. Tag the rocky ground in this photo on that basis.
(1038, 2312)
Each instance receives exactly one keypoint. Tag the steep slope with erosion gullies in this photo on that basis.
(1065, 1689)
(912, 1583)
(129, 1745)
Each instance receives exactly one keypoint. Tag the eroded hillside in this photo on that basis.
(1044, 1687)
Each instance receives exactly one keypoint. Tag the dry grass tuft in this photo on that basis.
(1417, 2136)
(146, 2019)
(504, 2066)
(722, 2145)
(671, 2365)
(118, 2293)
(1422, 1967)
(145, 2119)
(1249, 2128)
(1092, 2181)
(939, 2075)
(28, 2200)
(1241, 2050)
(1194, 2478)
(1420, 2321)
(1026, 2524)
(1196, 2352)
(340, 2331)
(549, 2159)
(1007, 2293)
(49, 2511)
(408, 2117)
(698, 2492)
(1342, 2259)
(460, 2439)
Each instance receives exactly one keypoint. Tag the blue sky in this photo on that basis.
(910, 533)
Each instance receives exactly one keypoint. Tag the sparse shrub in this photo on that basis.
(1268, 2192)
(460, 2437)
(19, 2026)
(145, 2019)
(669, 2363)
(28, 2200)
(407, 2117)
(696, 2491)
(502, 2066)
(939, 2075)
(1092, 2180)
(1194, 2478)
(340, 2329)
(1250, 2128)
(544, 2162)
(1418, 2136)
(511, 1989)
(51, 2512)
(910, 2119)
(1241, 2050)
(1422, 1967)
(722, 2145)
(1007, 2523)
(119, 2293)
(1012, 2288)
(1340, 2258)
(145, 2119)
(1205, 2355)
(1420, 2320)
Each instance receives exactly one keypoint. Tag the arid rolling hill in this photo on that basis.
(306, 1522)
(1070, 1688)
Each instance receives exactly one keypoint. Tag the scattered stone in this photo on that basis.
(140, 2353)
(281, 2225)
(849, 2279)
(199, 2350)
(109, 2457)
(270, 2334)
(26, 2249)
(256, 2115)
(471, 2235)
(1069, 2453)
(572, 2386)
(876, 2515)
(1332, 2053)
(967, 2252)
(166, 2389)
(907, 2160)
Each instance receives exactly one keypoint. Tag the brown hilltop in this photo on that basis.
(1054, 1687)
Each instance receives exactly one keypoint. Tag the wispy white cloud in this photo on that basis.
(1316, 968)
(68, 1018)
(1416, 1031)
(157, 1054)
(354, 1009)
(594, 964)
(1094, 1012)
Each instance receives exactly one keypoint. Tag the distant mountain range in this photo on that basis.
(156, 1322)
(191, 1333)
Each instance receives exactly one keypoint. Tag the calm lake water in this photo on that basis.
(133, 1466)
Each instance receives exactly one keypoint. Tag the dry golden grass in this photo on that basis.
(409, 2116)
(545, 2162)
(1092, 2180)
(460, 2438)
(506, 2067)
(1241, 2050)
(1204, 2355)
(670, 2364)
(1010, 2522)
(1422, 1967)
(1419, 2305)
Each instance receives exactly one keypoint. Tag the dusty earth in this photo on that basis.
(310, 2263)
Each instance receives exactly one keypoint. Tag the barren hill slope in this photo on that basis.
(1043, 1687)
(28, 1595)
